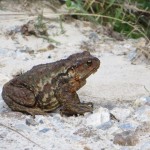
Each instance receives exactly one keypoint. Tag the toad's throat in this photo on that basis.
(87, 75)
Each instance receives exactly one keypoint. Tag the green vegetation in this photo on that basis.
(41, 29)
(130, 17)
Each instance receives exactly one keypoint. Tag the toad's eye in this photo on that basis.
(89, 62)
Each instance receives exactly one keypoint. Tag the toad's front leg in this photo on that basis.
(71, 105)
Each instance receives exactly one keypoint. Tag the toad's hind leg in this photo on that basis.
(21, 99)
(17, 107)
(20, 95)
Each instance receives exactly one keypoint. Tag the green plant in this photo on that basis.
(61, 25)
(130, 17)
(40, 24)
(42, 29)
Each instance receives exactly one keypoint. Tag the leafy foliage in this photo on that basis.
(129, 17)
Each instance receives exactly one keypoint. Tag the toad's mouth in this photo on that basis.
(94, 70)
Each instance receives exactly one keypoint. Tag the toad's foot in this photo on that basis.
(30, 111)
(75, 109)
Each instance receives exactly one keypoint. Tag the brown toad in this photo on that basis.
(46, 87)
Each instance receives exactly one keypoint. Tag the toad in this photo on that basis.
(47, 87)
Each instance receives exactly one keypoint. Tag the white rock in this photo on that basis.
(142, 101)
(31, 122)
(143, 113)
(106, 125)
(121, 113)
(23, 127)
(145, 146)
(113, 130)
(128, 126)
(98, 117)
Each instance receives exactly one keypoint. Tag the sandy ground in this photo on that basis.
(117, 88)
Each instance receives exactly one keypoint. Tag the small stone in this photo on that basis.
(49, 56)
(143, 129)
(31, 122)
(87, 46)
(85, 132)
(41, 121)
(143, 114)
(132, 55)
(145, 146)
(98, 117)
(27, 149)
(3, 135)
(126, 138)
(128, 126)
(106, 125)
(148, 101)
(86, 148)
(94, 37)
(22, 127)
(121, 113)
(50, 46)
(142, 101)
(44, 130)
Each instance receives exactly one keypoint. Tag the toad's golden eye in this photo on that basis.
(89, 62)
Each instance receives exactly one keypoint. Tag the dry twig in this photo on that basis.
(10, 128)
